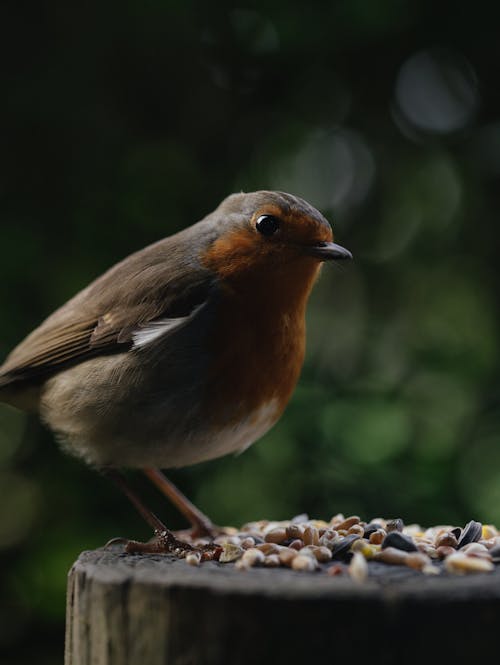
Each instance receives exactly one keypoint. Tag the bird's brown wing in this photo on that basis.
(103, 319)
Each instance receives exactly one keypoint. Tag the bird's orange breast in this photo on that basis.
(258, 341)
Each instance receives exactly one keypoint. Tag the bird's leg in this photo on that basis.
(201, 524)
(164, 540)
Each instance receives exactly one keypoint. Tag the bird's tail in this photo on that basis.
(20, 397)
(6, 384)
(4, 380)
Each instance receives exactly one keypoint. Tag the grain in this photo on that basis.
(461, 564)
(358, 568)
(277, 535)
(308, 545)
(304, 563)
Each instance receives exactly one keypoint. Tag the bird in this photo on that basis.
(185, 351)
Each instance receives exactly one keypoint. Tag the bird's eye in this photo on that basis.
(267, 225)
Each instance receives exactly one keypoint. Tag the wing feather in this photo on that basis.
(142, 293)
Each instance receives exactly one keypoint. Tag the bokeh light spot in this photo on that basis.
(436, 91)
(335, 169)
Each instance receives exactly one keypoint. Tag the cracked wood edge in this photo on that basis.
(152, 610)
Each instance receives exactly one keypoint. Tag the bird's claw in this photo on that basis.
(164, 542)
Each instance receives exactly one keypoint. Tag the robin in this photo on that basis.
(184, 351)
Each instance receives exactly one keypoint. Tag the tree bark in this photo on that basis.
(155, 610)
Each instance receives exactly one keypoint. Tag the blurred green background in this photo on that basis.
(124, 122)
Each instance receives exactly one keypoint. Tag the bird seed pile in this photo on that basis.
(345, 546)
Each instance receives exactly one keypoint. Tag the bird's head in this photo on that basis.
(269, 232)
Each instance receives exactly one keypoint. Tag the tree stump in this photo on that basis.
(157, 610)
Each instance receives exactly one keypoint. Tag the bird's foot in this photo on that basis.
(165, 542)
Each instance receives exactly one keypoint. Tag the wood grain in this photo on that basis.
(154, 610)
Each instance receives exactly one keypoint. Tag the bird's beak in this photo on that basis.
(329, 251)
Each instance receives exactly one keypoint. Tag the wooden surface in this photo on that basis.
(154, 610)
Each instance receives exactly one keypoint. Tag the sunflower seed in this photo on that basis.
(471, 533)
(341, 549)
(400, 541)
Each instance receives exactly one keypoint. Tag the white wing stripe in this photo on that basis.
(155, 329)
